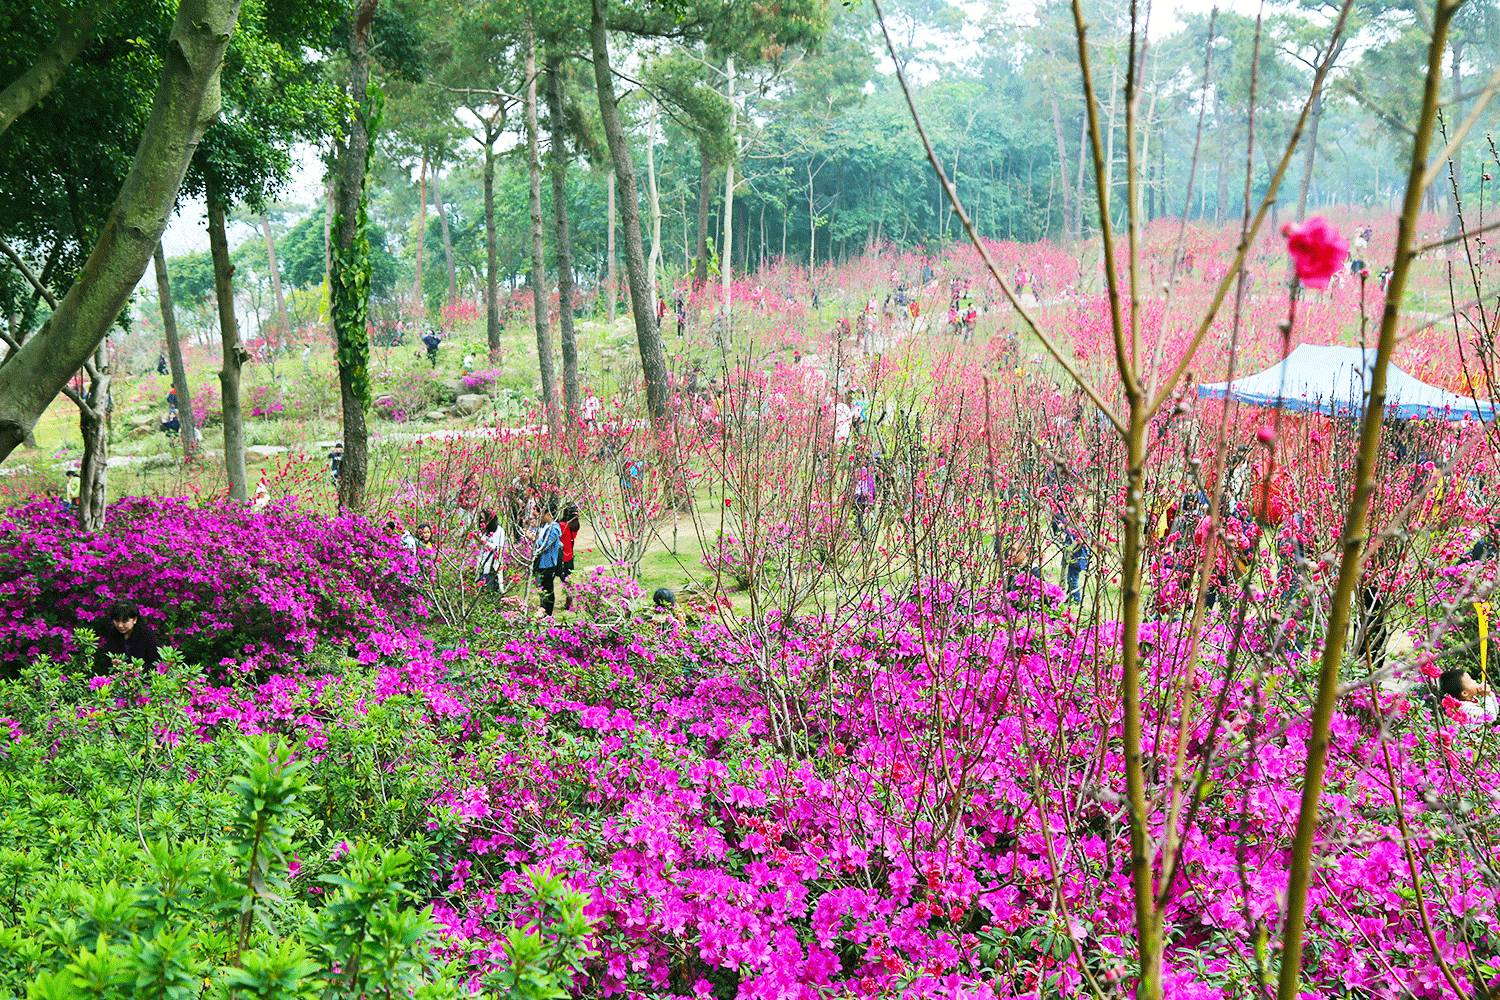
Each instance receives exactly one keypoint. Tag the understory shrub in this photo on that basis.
(215, 581)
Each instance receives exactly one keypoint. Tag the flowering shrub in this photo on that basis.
(207, 406)
(265, 402)
(406, 395)
(604, 592)
(460, 310)
(727, 557)
(214, 581)
(483, 380)
(892, 842)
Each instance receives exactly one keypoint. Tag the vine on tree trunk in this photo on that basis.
(349, 278)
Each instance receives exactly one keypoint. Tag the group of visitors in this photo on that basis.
(533, 519)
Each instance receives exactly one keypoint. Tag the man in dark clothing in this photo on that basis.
(123, 635)
(431, 341)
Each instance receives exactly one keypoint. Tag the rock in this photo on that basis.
(435, 415)
(470, 403)
(263, 452)
(454, 387)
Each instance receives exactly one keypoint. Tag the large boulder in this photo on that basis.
(470, 403)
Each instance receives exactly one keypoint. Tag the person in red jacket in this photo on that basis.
(569, 523)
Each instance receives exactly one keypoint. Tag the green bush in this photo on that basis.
(137, 860)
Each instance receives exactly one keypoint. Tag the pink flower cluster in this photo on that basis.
(216, 581)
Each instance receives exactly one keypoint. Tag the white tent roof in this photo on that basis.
(1334, 380)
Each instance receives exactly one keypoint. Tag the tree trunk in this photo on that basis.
(328, 210)
(538, 252)
(1078, 188)
(1222, 195)
(653, 263)
(442, 213)
(563, 248)
(705, 196)
(726, 259)
(492, 267)
(234, 355)
(812, 220)
(1309, 152)
(417, 307)
(1062, 160)
(93, 422)
(187, 99)
(647, 334)
(189, 430)
(31, 87)
(283, 320)
(349, 290)
(611, 279)
(1109, 153)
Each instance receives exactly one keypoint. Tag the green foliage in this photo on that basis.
(134, 863)
(544, 956)
(192, 277)
(300, 254)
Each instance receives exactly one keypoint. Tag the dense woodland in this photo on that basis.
(815, 127)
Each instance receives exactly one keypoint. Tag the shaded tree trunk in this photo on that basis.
(187, 99)
(705, 196)
(189, 429)
(234, 355)
(538, 252)
(492, 267)
(563, 248)
(1310, 147)
(93, 422)
(349, 289)
(1078, 188)
(653, 199)
(726, 259)
(31, 87)
(611, 278)
(1062, 160)
(283, 320)
(328, 210)
(442, 214)
(1222, 195)
(648, 336)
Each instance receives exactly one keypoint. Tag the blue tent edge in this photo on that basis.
(1398, 410)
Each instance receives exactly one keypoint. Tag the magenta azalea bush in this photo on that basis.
(923, 801)
(216, 582)
(482, 380)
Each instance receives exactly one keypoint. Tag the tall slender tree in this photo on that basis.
(538, 281)
(233, 355)
(562, 240)
(647, 333)
(349, 281)
(175, 363)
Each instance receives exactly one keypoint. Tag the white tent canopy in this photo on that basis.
(1335, 381)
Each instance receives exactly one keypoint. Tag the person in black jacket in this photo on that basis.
(122, 634)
